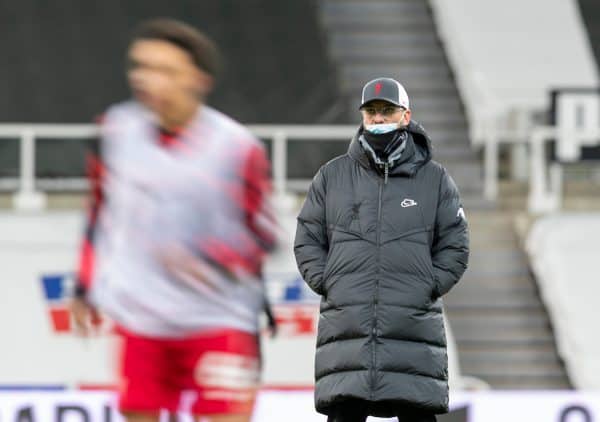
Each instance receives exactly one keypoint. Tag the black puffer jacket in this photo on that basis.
(382, 251)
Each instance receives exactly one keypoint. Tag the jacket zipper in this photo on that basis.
(376, 295)
(386, 172)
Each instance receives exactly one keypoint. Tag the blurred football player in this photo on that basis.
(177, 231)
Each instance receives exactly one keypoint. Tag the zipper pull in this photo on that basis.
(386, 172)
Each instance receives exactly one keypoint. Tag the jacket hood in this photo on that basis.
(416, 154)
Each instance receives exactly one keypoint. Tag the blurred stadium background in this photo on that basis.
(508, 92)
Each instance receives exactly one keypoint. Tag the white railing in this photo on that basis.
(546, 181)
(29, 197)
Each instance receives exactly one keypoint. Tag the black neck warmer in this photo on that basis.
(385, 144)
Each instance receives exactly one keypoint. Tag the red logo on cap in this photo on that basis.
(377, 88)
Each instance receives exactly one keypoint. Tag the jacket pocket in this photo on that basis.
(327, 265)
(433, 281)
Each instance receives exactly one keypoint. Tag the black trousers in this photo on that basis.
(362, 418)
(359, 411)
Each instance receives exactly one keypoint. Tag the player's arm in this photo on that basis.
(260, 217)
(81, 309)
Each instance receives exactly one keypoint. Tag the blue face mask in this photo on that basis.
(381, 128)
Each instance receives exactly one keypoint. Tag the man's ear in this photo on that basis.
(407, 117)
(205, 83)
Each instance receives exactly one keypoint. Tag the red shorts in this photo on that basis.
(211, 373)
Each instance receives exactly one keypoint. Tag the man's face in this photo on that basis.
(162, 75)
(378, 111)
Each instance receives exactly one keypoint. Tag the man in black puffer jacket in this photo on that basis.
(382, 236)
